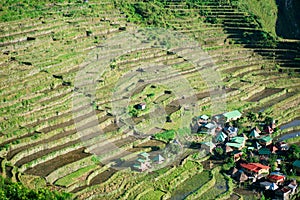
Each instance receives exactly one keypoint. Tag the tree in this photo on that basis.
(294, 152)
(219, 151)
(252, 116)
(16, 191)
(261, 115)
(272, 161)
(269, 120)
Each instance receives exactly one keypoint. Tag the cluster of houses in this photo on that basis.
(256, 143)
(144, 161)
(274, 184)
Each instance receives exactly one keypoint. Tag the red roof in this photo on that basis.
(276, 177)
(268, 129)
(255, 167)
(285, 189)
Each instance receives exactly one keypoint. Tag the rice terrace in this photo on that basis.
(150, 100)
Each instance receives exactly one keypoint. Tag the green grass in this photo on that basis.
(17, 10)
(71, 178)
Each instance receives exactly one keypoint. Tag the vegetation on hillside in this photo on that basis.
(165, 136)
(16, 191)
(264, 12)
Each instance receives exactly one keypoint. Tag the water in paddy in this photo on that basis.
(289, 135)
(293, 123)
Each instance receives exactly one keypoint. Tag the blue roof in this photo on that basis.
(296, 163)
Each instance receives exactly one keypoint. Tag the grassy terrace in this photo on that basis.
(43, 45)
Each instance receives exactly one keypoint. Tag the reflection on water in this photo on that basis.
(289, 135)
(291, 124)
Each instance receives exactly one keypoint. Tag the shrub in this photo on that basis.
(165, 136)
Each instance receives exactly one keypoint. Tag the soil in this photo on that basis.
(46, 168)
(43, 153)
(263, 94)
(124, 141)
(102, 177)
(8, 170)
(55, 137)
(273, 102)
(246, 192)
(233, 197)
(151, 143)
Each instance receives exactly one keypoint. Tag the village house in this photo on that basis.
(236, 155)
(254, 133)
(203, 119)
(237, 143)
(256, 169)
(287, 192)
(158, 159)
(221, 137)
(144, 156)
(268, 130)
(283, 193)
(265, 140)
(296, 166)
(208, 146)
(276, 178)
(142, 165)
(141, 106)
(231, 131)
(264, 151)
(143, 162)
(208, 128)
(239, 175)
(257, 146)
(228, 149)
(232, 115)
(282, 146)
(266, 185)
(273, 148)
(293, 185)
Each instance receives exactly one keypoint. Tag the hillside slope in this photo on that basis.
(43, 52)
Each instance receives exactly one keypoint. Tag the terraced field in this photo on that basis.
(44, 133)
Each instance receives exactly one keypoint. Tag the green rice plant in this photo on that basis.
(68, 180)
